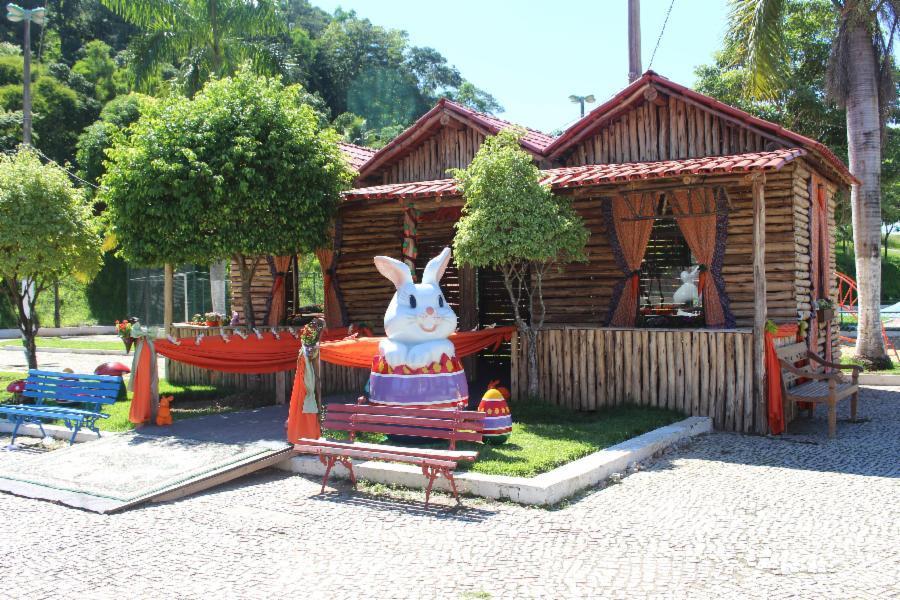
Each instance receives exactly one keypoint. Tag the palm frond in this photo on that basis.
(147, 13)
(756, 33)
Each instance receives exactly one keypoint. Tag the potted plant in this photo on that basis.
(214, 319)
(824, 310)
(198, 320)
(123, 330)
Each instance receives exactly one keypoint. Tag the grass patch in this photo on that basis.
(189, 401)
(56, 342)
(545, 436)
(849, 360)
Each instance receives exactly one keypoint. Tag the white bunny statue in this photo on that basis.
(687, 293)
(418, 320)
(417, 364)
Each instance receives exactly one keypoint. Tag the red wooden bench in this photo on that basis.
(453, 425)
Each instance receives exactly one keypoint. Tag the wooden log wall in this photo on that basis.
(670, 128)
(450, 147)
(695, 372)
(580, 293)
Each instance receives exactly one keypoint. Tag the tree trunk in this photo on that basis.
(533, 391)
(247, 273)
(864, 150)
(57, 320)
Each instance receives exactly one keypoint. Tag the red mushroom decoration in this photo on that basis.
(16, 388)
(116, 369)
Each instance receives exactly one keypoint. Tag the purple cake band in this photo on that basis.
(418, 390)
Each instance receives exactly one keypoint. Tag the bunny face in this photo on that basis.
(418, 312)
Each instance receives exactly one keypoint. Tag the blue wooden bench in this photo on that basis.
(76, 400)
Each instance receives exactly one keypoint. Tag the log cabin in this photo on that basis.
(669, 182)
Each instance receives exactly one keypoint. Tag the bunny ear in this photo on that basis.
(394, 270)
(435, 268)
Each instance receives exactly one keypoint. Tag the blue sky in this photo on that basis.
(532, 54)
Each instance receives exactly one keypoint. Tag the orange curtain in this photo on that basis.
(301, 424)
(700, 234)
(333, 317)
(629, 241)
(819, 261)
(276, 300)
(144, 382)
(775, 405)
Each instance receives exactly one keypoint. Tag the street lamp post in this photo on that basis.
(16, 13)
(589, 99)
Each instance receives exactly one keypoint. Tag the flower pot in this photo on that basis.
(129, 342)
(824, 314)
(212, 323)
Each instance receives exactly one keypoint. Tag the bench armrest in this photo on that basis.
(827, 363)
(786, 366)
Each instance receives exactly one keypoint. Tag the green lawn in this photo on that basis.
(55, 342)
(895, 370)
(189, 401)
(546, 436)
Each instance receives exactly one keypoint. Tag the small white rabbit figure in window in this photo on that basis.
(687, 293)
(418, 320)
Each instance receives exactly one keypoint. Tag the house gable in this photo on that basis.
(655, 119)
(446, 137)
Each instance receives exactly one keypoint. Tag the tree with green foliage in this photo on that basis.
(859, 77)
(242, 170)
(49, 232)
(514, 224)
(96, 138)
(205, 38)
(99, 68)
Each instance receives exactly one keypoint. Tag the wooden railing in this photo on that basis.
(696, 372)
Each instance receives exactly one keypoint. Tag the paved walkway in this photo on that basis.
(728, 516)
(57, 361)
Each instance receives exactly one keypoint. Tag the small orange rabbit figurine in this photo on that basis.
(164, 415)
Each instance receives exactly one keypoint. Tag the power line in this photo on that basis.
(661, 32)
(68, 172)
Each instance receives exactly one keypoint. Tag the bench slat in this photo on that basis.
(371, 455)
(442, 434)
(457, 455)
(411, 421)
(73, 376)
(434, 413)
(72, 397)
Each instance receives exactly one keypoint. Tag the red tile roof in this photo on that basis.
(596, 119)
(572, 177)
(533, 140)
(356, 155)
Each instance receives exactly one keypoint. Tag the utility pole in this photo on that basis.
(634, 40)
(16, 13)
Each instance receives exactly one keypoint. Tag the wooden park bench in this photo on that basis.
(75, 399)
(813, 384)
(453, 425)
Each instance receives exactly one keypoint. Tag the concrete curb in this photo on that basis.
(878, 379)
(69, 351)
(57, 432)
(7, 334)
(544, 489)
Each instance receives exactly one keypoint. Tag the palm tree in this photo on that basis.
(204, 38)
(860, 79)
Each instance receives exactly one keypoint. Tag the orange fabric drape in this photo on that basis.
(144, 382)
(775, 405)
(633, 237)
(301, 424)
(333, 317)
(820, 258)
(237, 355)
(276, 302)
(700, 234)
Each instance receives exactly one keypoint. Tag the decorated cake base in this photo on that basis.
(442, 384)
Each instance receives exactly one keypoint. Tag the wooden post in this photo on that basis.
(759, 309)
(168, 299)
(634, 40)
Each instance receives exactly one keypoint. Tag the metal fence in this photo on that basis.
(190, 292)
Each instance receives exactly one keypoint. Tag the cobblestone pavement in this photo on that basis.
(725, 516)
